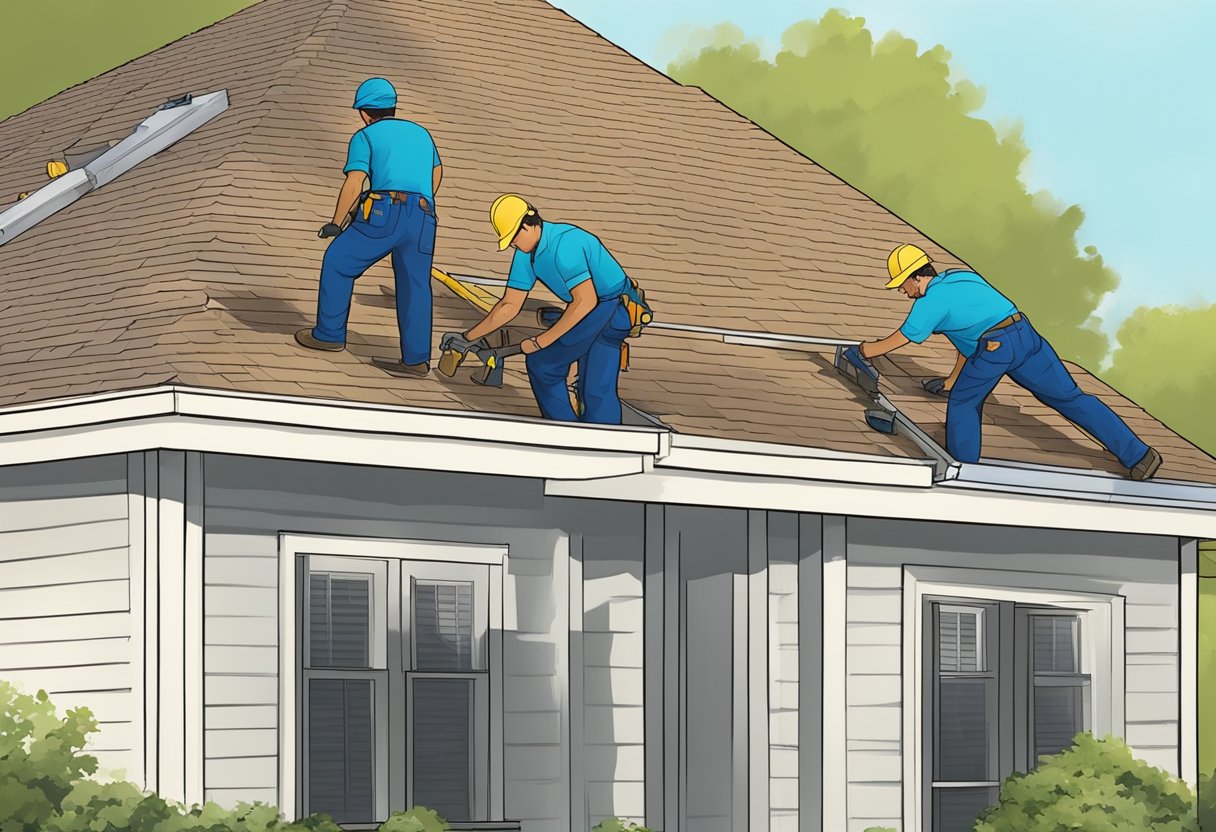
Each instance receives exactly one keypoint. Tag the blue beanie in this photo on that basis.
(375, 94)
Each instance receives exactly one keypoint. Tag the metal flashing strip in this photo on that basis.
(152, 135)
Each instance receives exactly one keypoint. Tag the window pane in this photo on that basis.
(338, 620)
(955, 810)
(443, 626)
(1059, 715)
(442, 746)
(958, 635)
(340, 749)
(965, 720)
(1055, 644)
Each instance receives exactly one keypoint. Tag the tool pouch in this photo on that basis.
(640, 313)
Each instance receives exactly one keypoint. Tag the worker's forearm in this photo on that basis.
(436, 178)
(873, 349)
(498, 317)
(347, 198)
(574, 312)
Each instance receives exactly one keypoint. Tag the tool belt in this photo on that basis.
(401, 197)
(640, 315)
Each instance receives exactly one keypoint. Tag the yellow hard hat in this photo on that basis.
(903, 262)
(506, 215)
(56, 169)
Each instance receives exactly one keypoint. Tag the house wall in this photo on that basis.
(1143, 569)
(248, 502)
(65, 596)
(783, 593)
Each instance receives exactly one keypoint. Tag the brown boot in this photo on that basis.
(396, 368)
(305, 339)
(1147, 466)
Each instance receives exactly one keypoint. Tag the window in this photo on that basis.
(1005, 685)
(394, 700)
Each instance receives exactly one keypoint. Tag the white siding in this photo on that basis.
(783, 672)
(65, 623)
(250, 501)
(613, 650)
(1142, 569)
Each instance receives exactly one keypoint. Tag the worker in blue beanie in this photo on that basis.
(398, 161)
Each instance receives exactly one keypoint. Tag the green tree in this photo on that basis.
(889, 120)
(1166, 361)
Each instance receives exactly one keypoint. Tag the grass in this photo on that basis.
(47, 46)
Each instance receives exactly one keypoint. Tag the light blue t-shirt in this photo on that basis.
(960, 305)
(396, 155)
(566, 256)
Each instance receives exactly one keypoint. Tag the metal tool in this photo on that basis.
(456, 349)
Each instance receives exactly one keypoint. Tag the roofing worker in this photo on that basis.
(397, 217)
(994, 340)
(576, 267)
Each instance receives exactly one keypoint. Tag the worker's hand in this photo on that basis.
(529, 346)
(329, 230)
(861, 348)
(936, 386)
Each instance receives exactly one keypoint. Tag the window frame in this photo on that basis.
(436, 559)
(1102, 641)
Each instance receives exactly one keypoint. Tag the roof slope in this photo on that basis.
(197, 265)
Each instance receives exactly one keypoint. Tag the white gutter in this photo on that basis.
(173, 416)
(152, 135)
(1091, 486)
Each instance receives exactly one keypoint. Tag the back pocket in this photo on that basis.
(426, 236)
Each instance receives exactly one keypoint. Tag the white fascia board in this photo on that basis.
(950, 505)
(771, 462)
(321, 430)
(152, 135)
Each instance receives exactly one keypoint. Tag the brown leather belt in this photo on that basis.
(1010, 321)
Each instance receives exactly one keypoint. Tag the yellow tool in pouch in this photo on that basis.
(640, 314)
(367, 206)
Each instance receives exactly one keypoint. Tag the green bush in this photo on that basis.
(45, 786)
(619, 825)
(40, 757)
(1093, 786)
(417, 819)
(1206, 802)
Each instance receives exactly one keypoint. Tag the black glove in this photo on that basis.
(936, 386)
(329, 230)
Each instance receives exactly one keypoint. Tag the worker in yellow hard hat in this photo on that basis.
(576, 267)
(993, 340)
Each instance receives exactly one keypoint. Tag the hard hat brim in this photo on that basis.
(505, 240)
(898, 280)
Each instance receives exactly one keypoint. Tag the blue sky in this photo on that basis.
(1115, 97)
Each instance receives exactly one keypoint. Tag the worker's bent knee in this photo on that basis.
(542, 368)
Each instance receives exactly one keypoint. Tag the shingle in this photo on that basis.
(200, 263)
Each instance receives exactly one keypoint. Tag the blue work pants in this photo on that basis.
(405, 231)
(594, 343)
(1030, 361)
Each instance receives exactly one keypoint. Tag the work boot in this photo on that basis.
(1147, 466)
(396, 368)
(305, 339)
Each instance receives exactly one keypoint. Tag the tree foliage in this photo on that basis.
(1166, 361)
(890, 120)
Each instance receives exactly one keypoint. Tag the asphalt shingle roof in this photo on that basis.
(198, 265)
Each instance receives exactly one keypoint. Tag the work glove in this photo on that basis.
(449, 340)
(936, 386)
(853, 356)
(329, 230)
